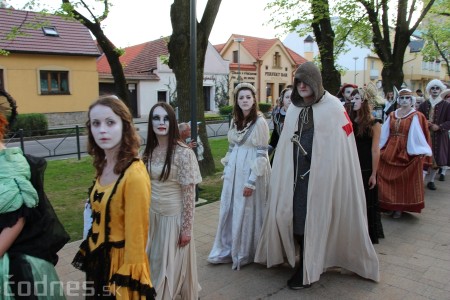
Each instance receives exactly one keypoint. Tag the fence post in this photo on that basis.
(22, 144)
(77, 130)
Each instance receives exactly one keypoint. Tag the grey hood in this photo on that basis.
(308, 73)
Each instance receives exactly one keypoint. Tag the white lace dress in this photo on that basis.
(241, 218)
(173, 268)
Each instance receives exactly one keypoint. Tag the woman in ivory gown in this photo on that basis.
(174, 173)
(245, 185)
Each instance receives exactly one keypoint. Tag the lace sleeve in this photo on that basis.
(188, 170)
(260, 141)
(187, 217)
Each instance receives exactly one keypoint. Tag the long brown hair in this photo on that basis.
(239, 120)
(129, 145)
(152, 141)
(365, 117)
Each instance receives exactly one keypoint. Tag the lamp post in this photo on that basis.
(239, 41)
(354, 79)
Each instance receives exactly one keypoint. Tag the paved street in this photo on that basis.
(414, 262)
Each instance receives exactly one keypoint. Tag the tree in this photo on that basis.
(437, 33)
(359, 20)
(392, 55)
(299, 16)
(112, 53)
(180, 64)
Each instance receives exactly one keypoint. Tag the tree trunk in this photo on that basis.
(324, 34)
(111, 53)
(179, 62)
(392, 73)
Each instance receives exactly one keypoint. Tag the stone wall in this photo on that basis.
(66, 119)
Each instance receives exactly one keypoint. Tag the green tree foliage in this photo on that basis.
(388, 25)
(437, 33)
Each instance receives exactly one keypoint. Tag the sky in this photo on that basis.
(132, 22)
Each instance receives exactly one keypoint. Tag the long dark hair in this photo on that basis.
(152, 141)
(129, 145)
(365, 117)
(239, 120)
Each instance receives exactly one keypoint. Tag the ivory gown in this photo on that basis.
(173, 268)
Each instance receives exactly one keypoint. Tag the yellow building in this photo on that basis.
(417, 72)
(266, 63)
(51, 69)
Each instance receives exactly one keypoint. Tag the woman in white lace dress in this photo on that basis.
(174, 173)
(245, 186)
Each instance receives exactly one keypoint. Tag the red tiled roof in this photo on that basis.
(138, 60)
(219, 47)
(244, 67)
(73, 39)
(295, 56)
(258, 47)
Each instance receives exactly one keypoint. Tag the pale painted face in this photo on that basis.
(347, 92)
(106, 127)
(435, 91)
(417, 104)
(245, 101)
(160, 121)
(305, 92)
(357, 102)
(404, 101)
(287, 99)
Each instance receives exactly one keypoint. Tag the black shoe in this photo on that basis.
(442, 177)
(296, 281)
(431, 186)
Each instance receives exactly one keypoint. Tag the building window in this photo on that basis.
(277, 60)
(2, 82)
(162, 96)
(235, 57)
(54, 82)
(50, 31)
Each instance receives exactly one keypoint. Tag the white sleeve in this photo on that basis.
(417, 143)
(385, 131)
(260, 139)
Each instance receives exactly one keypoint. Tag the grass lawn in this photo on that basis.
(67, 182)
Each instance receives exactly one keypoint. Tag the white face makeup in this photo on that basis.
(404, 100)
(245, 101)
(160, 121)
(417, 104)
(357, 102)
(106, 127)
(435, 91)
(287, 99)
(347, 92)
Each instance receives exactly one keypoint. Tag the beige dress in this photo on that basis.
(173, 268)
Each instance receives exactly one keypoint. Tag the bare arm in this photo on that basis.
(9, 235)
(375, 154)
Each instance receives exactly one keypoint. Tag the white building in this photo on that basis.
(150, 80)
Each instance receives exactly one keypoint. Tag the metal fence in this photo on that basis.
(72, 140)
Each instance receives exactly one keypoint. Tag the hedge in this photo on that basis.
(32, 124)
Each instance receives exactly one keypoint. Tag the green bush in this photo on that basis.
(264, 107)
(32, 124)
(226, 110)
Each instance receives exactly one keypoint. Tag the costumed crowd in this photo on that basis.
(311, 194)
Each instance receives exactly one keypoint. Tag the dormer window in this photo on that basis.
(50, 31)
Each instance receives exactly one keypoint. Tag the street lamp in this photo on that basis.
(239, 41)
(355, 58)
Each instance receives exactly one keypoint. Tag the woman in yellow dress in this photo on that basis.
(113, 254)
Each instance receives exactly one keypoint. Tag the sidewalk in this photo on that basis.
(414, 262)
